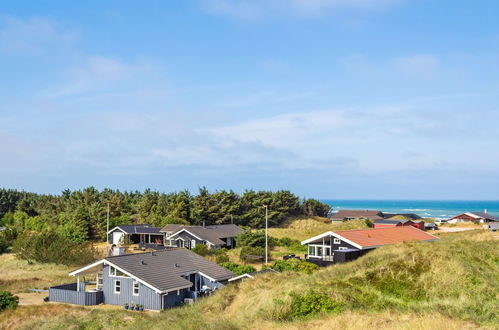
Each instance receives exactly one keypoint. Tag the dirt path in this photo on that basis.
(455, 229)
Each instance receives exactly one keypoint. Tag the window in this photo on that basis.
(117, 286)
(311, 250)
(319, 251)
(136, 288)
(337, 241)
(98, 281)
(342, 248)
(115, 272)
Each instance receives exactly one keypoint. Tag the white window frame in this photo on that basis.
(117, 284)
(337, 241)
(113, 271)
(136, 288)
(99, 281)
(342, 248)
(193, 243)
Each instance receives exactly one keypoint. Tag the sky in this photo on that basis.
(343, 99)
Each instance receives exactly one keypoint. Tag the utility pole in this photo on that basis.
(107, 226)
(266, 234)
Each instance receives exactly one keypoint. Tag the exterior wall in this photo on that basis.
(329, 242)
(67, 294)
(173, 299)
(147, 296)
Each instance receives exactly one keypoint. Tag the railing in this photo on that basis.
(67, 293)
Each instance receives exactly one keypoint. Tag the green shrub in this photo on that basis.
(50, 247)
(222, 258)
(200, 249)
(254, 238)
(252, 254)
(293, 245)
(238, 269)
(312, 302)
(294, 265)
(3, 244)
(8, 300)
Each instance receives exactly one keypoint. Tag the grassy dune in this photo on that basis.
(450, 284)
(304, 228)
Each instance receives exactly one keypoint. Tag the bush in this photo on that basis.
(8, 300)
(293, 245)
(313, 207)
(50, 247)
(254, 239)
(200, 249)
(238, 269)
(253, 254)
(222, 258)
(3, 244)
(312, 302)
(294, 265)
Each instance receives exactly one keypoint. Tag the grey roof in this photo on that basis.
(485, 216)
(171, 228)
(357, 214)
(139, 229)
(163, 269)
(213, 233)
(229, 230)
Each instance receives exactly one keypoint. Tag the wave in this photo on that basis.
(416, 210)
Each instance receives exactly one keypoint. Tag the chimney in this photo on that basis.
(176, 265)
(142, 262)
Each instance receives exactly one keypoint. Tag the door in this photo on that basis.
(117, 237)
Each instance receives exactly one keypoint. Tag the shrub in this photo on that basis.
(313, 207)
(222, 258)
(200, 249)
(8, 300)
(294, 265)
(50, 247)
(238, 269)
(254, 239)
(312, 302)
(248, 254)
(293, 245)
(3, 244)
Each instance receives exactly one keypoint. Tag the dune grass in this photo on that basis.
(18, 275)
(303, 228)
(449, 284)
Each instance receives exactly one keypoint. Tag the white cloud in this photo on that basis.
(32, 36)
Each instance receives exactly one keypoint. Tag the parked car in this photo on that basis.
(430, 226)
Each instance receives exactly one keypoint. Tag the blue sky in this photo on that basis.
(394, 99)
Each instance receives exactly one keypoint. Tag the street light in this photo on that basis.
(266, 234)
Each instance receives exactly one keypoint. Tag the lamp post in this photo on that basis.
(266, 234)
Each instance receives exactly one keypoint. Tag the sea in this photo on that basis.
(426, 209)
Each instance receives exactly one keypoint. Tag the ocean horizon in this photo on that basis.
(439, 209)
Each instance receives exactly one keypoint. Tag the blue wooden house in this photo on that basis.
(156, 280)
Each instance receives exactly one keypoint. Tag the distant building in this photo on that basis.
(344, 215)
(419, 224)
(480, 217)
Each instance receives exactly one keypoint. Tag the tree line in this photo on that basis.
(80, 215)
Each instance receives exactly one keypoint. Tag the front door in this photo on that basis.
(180, 243)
